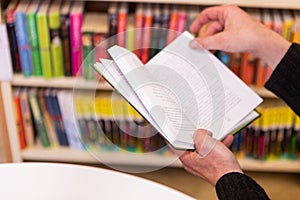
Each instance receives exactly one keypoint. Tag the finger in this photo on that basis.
(213, 42)
(207, 15)
(228, 140)
(213, 28)
(204, 142)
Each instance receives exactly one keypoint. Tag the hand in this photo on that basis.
(212, 158)
(230, 29)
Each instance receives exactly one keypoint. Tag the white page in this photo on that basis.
(6, 64)
(164, 110)
(210, 94)
(111, 72)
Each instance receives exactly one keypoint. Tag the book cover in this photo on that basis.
(66, 105)
(76, 17)
(33, 37)
(49, 123)
(19, 117)
(37, 116)
(22, 37)
(27, 119)
(56, 47)
(11, 32)
(158, 101)
(44, 39)
(65, 35)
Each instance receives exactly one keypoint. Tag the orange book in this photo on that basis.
(235, 63)
(173, 25)
(19, 118)
(248, 65)
(138, 32)
(122, 24)
(296, 29)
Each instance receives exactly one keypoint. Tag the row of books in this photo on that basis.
(275, 135)
(51, 118)
(45, 36)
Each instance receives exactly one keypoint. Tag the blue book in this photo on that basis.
(54, 110)
(22, 37)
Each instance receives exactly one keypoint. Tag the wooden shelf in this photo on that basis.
(80, 83)
(133, 159)
(62, 82)
(287, 4)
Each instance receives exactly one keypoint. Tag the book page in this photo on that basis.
(210, 95)
(157, 99)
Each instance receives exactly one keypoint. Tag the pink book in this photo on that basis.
(76, 16)
(182, 20)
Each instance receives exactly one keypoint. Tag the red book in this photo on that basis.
(122, 24)
(19, 118)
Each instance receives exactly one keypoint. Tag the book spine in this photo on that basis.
(138, 32)
(147, 34)
(173, 26)
(65, 35)
(56, 45)
(76, 42)
(113, 23)
(100, 50)
(34, 44)
(27, 119)
(23, 43)
(88, 55)
(11, 32)
(19, 120)
(65, 101)
(49, 124)
(38, 118)
(122, 23)
(44, 42)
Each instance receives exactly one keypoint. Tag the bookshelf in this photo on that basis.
(77, 156)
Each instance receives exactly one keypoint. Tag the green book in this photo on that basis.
(55, 40)
(33, 37)
(44, 39)
(38, 118)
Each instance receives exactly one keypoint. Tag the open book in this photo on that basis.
(180, 90)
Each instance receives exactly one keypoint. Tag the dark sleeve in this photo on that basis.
(234, 186)
(285, 79)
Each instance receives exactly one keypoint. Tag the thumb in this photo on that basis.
(213, 42)
(204, 142)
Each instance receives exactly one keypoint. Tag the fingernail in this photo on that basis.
(195, 45)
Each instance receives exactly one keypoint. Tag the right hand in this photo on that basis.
(230, 29)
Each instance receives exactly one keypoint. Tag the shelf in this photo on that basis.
(108, 158)
(133, 159)
(62, 82)
(287, 4)
(80, 83)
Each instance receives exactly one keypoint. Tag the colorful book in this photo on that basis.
(37, 116)
(138, 32)
(165, 20)
(113, 23)
(49, 123)
(65, 35)
(288, 23)
(27, 119)
(44, 39)
(182, 19)
(147, 29)
(76, 17)
(33, 37)
(19, 117)
(22, 37)
(65, 103)
(122, 23)
(57, 58)
(296, 28)
(11, 32)
(173, 25)
(56, 115)
(156, 30)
